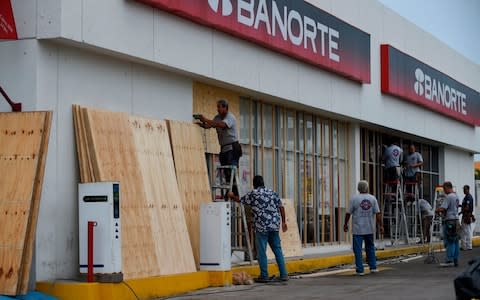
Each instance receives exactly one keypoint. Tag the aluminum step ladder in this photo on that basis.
(225, 180)
(414, 215)
(436, 226)
(394, 211)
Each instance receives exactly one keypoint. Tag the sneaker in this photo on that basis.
(284, 278)
(359, 274)
(447, 264)
(455, 263)
(373, 270)
(261, 280)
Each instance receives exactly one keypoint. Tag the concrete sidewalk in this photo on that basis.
(162, 286)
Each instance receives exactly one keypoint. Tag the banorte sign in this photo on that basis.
(410, 79)
(8, 30)
(294, 28)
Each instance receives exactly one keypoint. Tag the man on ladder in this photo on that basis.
(394, 208)
(225, 124)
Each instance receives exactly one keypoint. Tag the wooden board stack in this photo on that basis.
(136, 152)
(291, 243)
(192, 176)
(23, 149)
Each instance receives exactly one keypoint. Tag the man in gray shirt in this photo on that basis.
(449, 209)
(427, 217)
(392, 156)
(413, 162)
(226, 125)
(363, 208)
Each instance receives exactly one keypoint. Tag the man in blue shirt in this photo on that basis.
(267, 213)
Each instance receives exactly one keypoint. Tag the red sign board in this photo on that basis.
(294, 28)
(410, 79)
(8, 30)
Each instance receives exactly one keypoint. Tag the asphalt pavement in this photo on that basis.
(399, 278)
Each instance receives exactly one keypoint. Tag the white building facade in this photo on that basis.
(313, 115)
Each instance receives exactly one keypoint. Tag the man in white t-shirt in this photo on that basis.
(364, 209)
(392, 156)
(413, 162)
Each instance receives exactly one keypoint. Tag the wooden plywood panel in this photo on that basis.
(35, 206)
(192, 176)
(205, 99)
(21, 140)
(291, 243)
(113, 155)
(167, 218)
(84, 162)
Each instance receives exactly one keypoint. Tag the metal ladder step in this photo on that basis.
(237, 213)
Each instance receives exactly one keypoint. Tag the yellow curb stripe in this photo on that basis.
(161, 286)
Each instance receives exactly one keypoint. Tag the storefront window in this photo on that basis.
(372, 145)
(304, 158)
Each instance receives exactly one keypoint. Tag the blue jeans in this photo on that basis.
(273, 239)
(451, 245)
(369, 249)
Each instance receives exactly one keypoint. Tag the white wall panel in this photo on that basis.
(49, 18)
(25, 13)
(315, 87)
(183, 44)
(72, 19)
(278, 75)
(53, 223)
(458, 169)
(393, 29)
(346, 100)
(235, 62)
(161, 95)
(123, 26)
(17, 73)
(347, 10)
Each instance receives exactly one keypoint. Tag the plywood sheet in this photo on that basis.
(192, 176)
(113, 156)
(85, 168)
(136, 152)
(205, 99)
(35, 206)
(168, 222)
(21, 140)
(291, 244)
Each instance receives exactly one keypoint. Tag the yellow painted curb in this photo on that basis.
(220, 278)
(145, 288)
(161, 286)
(476, 241)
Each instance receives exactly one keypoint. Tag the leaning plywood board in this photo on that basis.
(192, 176)
(168, 222)
(205, 99)
(291, 244)
(84, 162)
(21, 154)
(113, 154)
(32, 225)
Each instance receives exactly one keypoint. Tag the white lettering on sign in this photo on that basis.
(299, 30)
(440, 92)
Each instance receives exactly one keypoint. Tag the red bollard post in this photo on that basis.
(91, 224)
